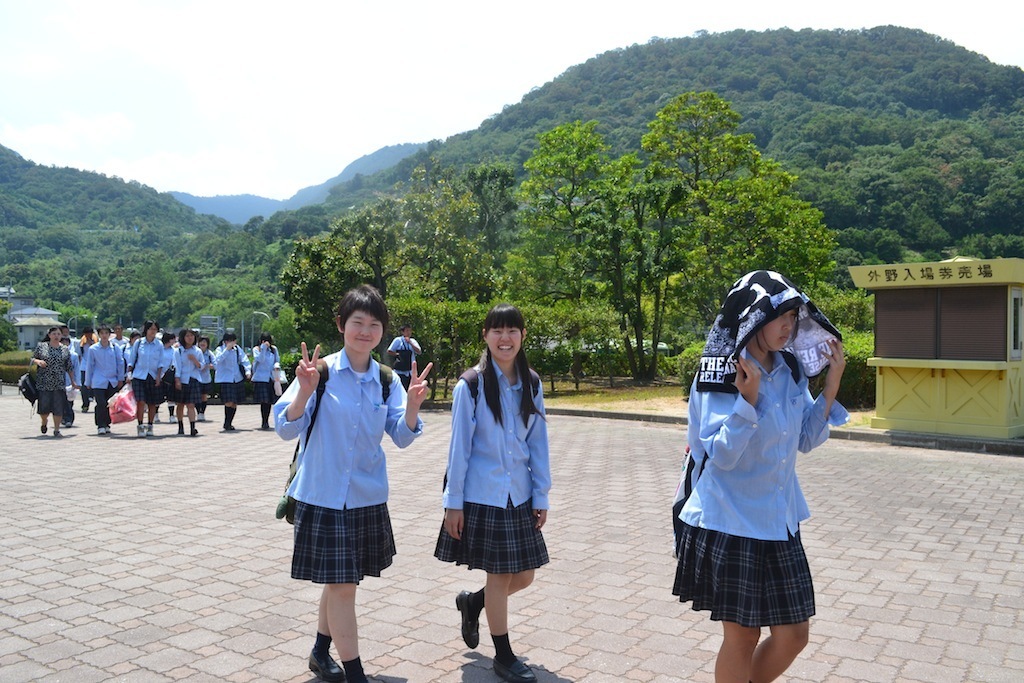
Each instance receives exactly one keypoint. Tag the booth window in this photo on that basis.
(954, 323)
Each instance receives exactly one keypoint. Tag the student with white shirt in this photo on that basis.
(205, 380)
(233, 368)
(497, 485)
(342, 527)
(145, 368)
(750, 413)
(188, 360)
(264, 357)
(104, 373)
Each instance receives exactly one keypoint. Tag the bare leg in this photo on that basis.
(776, 652)
(736, 653)
(496, 592)
(341, 618)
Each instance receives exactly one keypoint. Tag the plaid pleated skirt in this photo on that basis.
(147, 390)
(232, 392)
(746, 581)
(497, 540)
(341, 546)
(204, 388)
(189, 392)
(263, 392)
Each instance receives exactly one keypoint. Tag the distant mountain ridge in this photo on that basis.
(240, 208)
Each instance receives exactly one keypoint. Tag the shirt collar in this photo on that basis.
(501, 377)
(372, 373)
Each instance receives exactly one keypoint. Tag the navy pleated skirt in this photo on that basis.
(745, 581)
(497, 540)
(341, 546)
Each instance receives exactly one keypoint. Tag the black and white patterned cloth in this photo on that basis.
(756, 299)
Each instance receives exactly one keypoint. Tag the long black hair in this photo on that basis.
(507, 315)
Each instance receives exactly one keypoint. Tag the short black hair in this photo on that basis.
(103, 328)
(363, 298)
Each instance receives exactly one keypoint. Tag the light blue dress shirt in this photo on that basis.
(204, 371)
(489, 463)
(186, 369)
(147, 359)
(749, 485)
(226, 361)
(263, 363)
(104, 366)
(343, 464)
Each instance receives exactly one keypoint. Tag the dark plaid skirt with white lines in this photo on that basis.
(497, 540)
(263, 392)
(742, 580)
(147, 390)
(232, 392)
(341, 546)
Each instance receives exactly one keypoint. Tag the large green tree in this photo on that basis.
(737, 211)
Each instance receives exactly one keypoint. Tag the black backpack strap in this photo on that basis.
(472, 379)
(386, 378)
(321, 366)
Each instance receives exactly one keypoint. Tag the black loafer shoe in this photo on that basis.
(517, 673)
(326, 668)
(470, 622)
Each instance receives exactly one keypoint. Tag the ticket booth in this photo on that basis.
(948, 342)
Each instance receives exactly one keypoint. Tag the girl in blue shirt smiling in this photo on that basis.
(499, 476)
(750, 412)
(342, 527)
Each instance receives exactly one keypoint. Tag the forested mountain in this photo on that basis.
(910, 146)
(904, 140)
(240, 208)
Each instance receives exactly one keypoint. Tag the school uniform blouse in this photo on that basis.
(104, 366)
(749, 485)
(170, 359)
(490, 463)
(343, 464)
(263, 363)
(204, 369)
(187, 370)
(226, 363)
(147, 359)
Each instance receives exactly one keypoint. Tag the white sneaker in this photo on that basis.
(201, 417)
(149, 430)
(99, 431)
(141, 430)
(157, 419)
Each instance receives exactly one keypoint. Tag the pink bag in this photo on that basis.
(122, 405)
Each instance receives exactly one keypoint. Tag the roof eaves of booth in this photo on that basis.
(959, 271)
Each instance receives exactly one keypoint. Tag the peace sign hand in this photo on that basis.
(306, 373)
(417, 387)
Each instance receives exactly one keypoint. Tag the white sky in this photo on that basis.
(268, 97)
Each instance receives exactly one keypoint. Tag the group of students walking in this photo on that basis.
(739, 554)
(160, 367)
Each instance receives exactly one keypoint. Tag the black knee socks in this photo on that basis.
(354, 671)
(322, 645)
(476, 601)
(265, 412)
(503, 650)
(229, 415)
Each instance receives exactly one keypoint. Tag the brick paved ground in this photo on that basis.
(160, 560)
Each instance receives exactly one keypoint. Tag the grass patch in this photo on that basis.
(662, 398)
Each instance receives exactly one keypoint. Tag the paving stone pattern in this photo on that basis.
(153, 560)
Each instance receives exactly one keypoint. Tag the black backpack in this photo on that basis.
(286, 506)
(27, 388)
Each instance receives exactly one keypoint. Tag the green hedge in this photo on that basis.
(858, 386)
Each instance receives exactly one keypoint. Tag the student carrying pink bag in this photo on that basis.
(122, 405)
